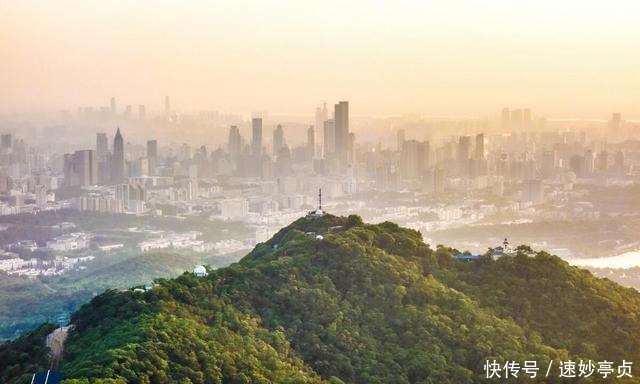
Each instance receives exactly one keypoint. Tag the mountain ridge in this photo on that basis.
(332, 299)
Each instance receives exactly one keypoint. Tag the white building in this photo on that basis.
(234, 209)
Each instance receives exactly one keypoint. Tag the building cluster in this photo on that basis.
(12, 264)
(266, 171)
(75, 241)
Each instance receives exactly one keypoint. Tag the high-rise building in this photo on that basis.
(516, 119)
(549, 161)
(341, 118)
(311, 142)
(122, 197)
(424, 155)
(152, 155)
(479, 154)
(615, 127)
(278, 140)
(127, 111)
(329, 138)
(322, 115)
(463, 155)
(152, 149)
(142, 112)
(505, 119)
(41, 196)
(256, 138)
(81, 168)
(526, 118)
(400, 138)
(102, 146)
(117, 161)
(410, 159)
(589, 162)
(533, 191)
(618, 163)
(234, 145)
(113, 106)
(602, 162)
(615, 121)
(6, 141)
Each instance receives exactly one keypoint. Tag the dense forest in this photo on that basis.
(26, 303)
(359, 304)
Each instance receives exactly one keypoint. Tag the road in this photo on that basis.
(55, 342)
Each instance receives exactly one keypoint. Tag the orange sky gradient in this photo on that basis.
(442, 58)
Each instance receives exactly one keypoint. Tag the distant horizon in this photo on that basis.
(244, 114)
(463, 58)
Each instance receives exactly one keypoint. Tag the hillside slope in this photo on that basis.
(363, 304)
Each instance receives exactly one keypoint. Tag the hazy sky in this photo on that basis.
(561, 58)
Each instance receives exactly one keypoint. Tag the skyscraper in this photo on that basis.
(81, 168)
(278, 140)
(102, 146)
(505, 121)
(329, 138)
(311, 142)
(410, 159)
(479, 155)
(341, 118)
(400, 138)
(322, 115)
(256, 138)
(6, 141)
(516, 119)
(235, 141)
(142, 112)
(117, 162)
(464, 154)
(102, 158)
(526, 118)
(152, 155)
(113, 106)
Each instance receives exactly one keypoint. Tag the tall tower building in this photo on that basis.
(479, 155)
(278, 140)
(256, 138)
(142, 112)
(81, 168)
(152, 155)
(322, 115)
(341, 118)
(113, 106)
(526, 118)
(516, 119)
(463, 155)
(6, 141)
(311, 142)
(410, 159)
(234, 145)
(102, 146)
(505, 120)
(329, 138)
(615, 127)
(117, 165)
(400, 138)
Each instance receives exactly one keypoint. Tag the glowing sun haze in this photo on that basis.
(561, 58)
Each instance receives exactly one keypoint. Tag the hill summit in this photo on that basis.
(334, 300)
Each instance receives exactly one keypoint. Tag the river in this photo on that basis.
(625, 260)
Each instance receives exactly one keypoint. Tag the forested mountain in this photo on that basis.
(333, 300)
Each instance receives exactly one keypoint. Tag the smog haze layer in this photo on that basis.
(460, 58)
